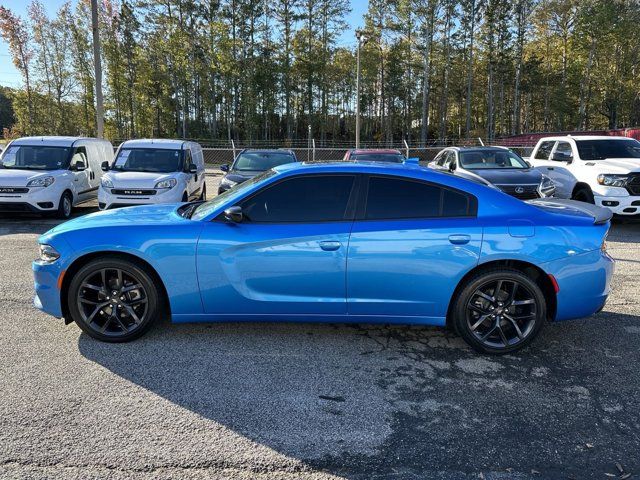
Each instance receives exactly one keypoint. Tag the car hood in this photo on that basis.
(239, 177)
(10, 177)
(143, 215)
(511, 176)
(137, 179)
(616, 165)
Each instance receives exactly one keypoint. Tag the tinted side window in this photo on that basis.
(544, 150)
(394, 198)
(317, 198)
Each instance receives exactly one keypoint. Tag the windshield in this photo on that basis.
(261, 161)
(601, 149)
(379, 157)
(36, 157)
(490, 159)
(158, 160)
(235, 192)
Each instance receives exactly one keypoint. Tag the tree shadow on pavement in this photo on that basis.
(404, 402)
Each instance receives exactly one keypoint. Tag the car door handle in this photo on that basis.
(459, 239)
(330, 245)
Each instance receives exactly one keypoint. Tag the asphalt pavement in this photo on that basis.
(293, 401)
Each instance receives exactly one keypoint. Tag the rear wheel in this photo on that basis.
(65, 206)
(584, 194)
(499, 311)
(113, 300)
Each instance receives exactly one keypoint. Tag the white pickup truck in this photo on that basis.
(596, 169)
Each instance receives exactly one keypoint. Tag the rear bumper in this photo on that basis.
(584, 281)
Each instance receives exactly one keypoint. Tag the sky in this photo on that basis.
(10, 77)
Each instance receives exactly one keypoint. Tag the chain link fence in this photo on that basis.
(216, 156)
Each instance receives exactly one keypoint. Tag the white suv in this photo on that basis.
(153, 171)
(51, 174)
(595, 169)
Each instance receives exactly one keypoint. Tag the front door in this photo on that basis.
(287, 256)
(81, 178)
(409, 248)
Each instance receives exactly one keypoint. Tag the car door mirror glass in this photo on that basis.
(193, 168)
(452, 166)
(105, 166)
(233, 214)
(79, 166)
(224, 168)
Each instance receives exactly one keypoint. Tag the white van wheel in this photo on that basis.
(65, 206)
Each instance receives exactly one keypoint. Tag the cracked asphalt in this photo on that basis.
(293, 401)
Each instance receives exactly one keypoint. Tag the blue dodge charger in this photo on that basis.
(376, 243)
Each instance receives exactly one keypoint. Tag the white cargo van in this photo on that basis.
(153, 171)
(51, 174)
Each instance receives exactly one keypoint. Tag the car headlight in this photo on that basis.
(106, 182)
(547, 186)
(41, 182)
(228, 183)
(48, 254)
(169, 183)
(612, 180)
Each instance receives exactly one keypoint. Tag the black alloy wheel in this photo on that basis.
(500, 311)
(113, 300)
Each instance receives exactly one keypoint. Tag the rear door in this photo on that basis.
(410, 245)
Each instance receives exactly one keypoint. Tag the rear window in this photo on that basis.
(601, 149)
(396, 198)
(261, 161)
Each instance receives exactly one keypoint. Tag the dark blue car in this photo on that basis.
(497, 166)
(251, 162)
(347, 242)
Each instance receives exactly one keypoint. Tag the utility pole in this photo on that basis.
(97, 64)
(361, 41)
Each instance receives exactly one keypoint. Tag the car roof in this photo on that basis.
(479, 149)
(360, 151)
(585, 137)
(169, 144)
(352, 167)
(268, 150)
(52, 141)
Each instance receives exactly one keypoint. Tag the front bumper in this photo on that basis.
(584, 282)
(619, 205)
(47, 294)
(37, 200)
(107, 200)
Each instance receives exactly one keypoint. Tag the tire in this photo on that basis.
(120, 313)
(506, 326)
(65, 206)
(584, 194)
(203, 195)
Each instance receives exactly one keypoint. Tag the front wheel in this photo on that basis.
(65, 206)
(499, 311)
(113, 300)
(584, 195)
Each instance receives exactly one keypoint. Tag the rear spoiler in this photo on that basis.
(600, 215)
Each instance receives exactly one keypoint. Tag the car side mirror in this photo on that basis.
(79, 166)
(193, 169)
(105, 166)
(561, 157)
(233, 214)
(224, 168)
(452, 166)
(413, 160)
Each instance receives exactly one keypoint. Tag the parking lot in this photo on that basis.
(315, 401)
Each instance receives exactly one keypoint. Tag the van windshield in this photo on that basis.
(601, 149)
(36, 157)
(159, 160)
